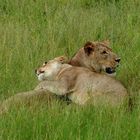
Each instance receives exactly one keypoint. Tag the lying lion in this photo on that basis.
(96, 56)
(79, 84)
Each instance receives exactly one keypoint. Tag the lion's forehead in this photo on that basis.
(101, 48)
(52, 66)
(108, 48)
(100, 44)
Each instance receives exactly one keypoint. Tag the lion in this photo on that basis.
(79, 84)
(98, 57)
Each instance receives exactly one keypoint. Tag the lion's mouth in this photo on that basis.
(110, 70)
(40, 77)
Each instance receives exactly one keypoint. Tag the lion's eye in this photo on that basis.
(104, 52)
(45, 63)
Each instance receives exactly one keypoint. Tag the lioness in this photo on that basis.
(79, 84)
(96, 56)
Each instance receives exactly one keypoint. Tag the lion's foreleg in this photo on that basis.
(57, 87)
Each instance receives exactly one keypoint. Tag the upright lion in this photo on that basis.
(96, 56)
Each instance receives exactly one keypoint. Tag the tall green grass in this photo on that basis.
(32, 31)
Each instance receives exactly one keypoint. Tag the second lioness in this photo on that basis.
(97, 56)
(80, 84)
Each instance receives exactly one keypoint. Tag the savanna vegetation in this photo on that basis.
(32, 31)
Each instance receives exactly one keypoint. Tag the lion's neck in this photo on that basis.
(80, 59)
(63, 68)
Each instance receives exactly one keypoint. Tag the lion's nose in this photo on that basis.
(38, 72)
(118, 60)
(41, 71)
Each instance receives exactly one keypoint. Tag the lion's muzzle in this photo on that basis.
(37, 72)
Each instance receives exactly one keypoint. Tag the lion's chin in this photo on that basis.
(111, 74)
(41, 77)
(109, 71)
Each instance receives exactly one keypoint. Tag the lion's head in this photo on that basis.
(50, 69)
(100, 57)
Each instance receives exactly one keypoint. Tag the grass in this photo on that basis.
(32, 31)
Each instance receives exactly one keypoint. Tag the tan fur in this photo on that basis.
(26, 98)
(96, 56)
(93, 59)
(82, 85)
(29, 97)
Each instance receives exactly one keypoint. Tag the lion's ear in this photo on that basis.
(106, 42)
(62, 59)
(89, 47)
